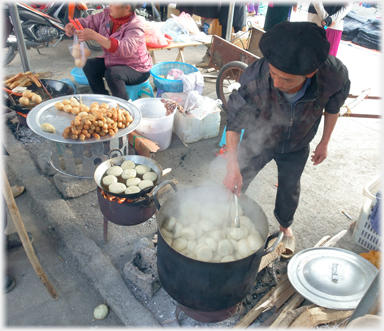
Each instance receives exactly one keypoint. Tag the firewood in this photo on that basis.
(318, 315)
(331, 242)
(295, 302)
(267, 259)
(291, 316)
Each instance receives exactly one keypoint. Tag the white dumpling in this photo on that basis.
(238, 233)
(212, 243)
(128, 165)
(169, 224)
(225, 247)
(238, 256)
(255, 241)
(179, 244)
(207, 225)
(204, 253)
(199, 232)
(206, 208)
(245, 222)
(192, 245)
(110, 179)
(201, 240)
(216, 258)
(177, 230)
(216, 215)
(115, 171)
(141, 169)
(133, 181)
(192, 255)
(128, 173)
(243, 248)
(166, 234)
(228, 258)
(168, 240)
(145, 183)
(235, 243)
(132, 190)
(116, 188)
(184, 220)
(188, 233)
(217, 235)
(150, 176)
(190, 207)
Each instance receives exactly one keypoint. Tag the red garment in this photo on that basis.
(117, 23)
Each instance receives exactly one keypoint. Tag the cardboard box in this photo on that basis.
(171, 9)
(142, 146)
(214, 28)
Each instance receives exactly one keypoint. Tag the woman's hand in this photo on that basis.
(69, 29)
(86, 34)
(233, 177)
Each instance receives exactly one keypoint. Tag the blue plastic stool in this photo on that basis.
(223, 140)
(135, 91)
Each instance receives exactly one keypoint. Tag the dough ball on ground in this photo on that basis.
(179, 244)
(128, 165)
(110, 179)
(132, 190)
(145, 183)
(133, 181)
(204, 253)
(150, 176)
(115, 171)
(255, 241)
(141, 169)
(228, 258)
(128, 173)
(225, 247)
(243, 248)
(188, 233)
(169, 224)
(117, 188)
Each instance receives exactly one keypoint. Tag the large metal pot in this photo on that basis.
(116, 161)
(206, 286)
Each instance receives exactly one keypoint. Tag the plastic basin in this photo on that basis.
(154, 124)
(79, 76)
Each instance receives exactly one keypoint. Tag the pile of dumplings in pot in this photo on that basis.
(128, 178)
(201, 232)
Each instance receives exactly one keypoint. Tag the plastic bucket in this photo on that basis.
(155, 125)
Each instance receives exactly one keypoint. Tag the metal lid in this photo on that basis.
(331, 277)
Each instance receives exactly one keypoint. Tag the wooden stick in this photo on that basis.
(319, 315)
(7, 191)
(292, 315)
(332, 242)
(267, 259)
(295, 302)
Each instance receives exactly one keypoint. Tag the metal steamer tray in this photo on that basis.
(47, 113)
(331, 277)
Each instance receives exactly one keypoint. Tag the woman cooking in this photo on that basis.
(125, 60)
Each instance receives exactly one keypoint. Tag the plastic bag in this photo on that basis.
(187, 21)
(174, 74)
(155, 37)
(200, 106)
(176, 31)
(80, 51)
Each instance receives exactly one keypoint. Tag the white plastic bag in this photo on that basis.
(200, 106)
(80, 51)
(178, 32)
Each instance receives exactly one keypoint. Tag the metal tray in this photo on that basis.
(331, 277)
(47, 113)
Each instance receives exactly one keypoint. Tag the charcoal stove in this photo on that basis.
(207, 317)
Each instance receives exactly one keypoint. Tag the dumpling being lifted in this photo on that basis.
(115, 171)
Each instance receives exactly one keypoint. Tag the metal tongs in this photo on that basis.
(236, 222)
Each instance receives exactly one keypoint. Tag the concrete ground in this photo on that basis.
(68, 233)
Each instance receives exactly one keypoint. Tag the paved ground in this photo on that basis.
(68, 232)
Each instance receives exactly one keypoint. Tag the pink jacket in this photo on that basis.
(132, 51)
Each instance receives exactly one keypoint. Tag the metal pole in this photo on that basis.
(19, 36)
(231, 11)
(370, 302)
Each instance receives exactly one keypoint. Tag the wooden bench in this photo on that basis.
(180, 46)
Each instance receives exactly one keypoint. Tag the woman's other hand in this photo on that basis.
(69, 29)
(86, 34)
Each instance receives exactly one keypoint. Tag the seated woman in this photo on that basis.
(125, 61)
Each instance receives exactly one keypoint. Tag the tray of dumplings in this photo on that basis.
(84, 118)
